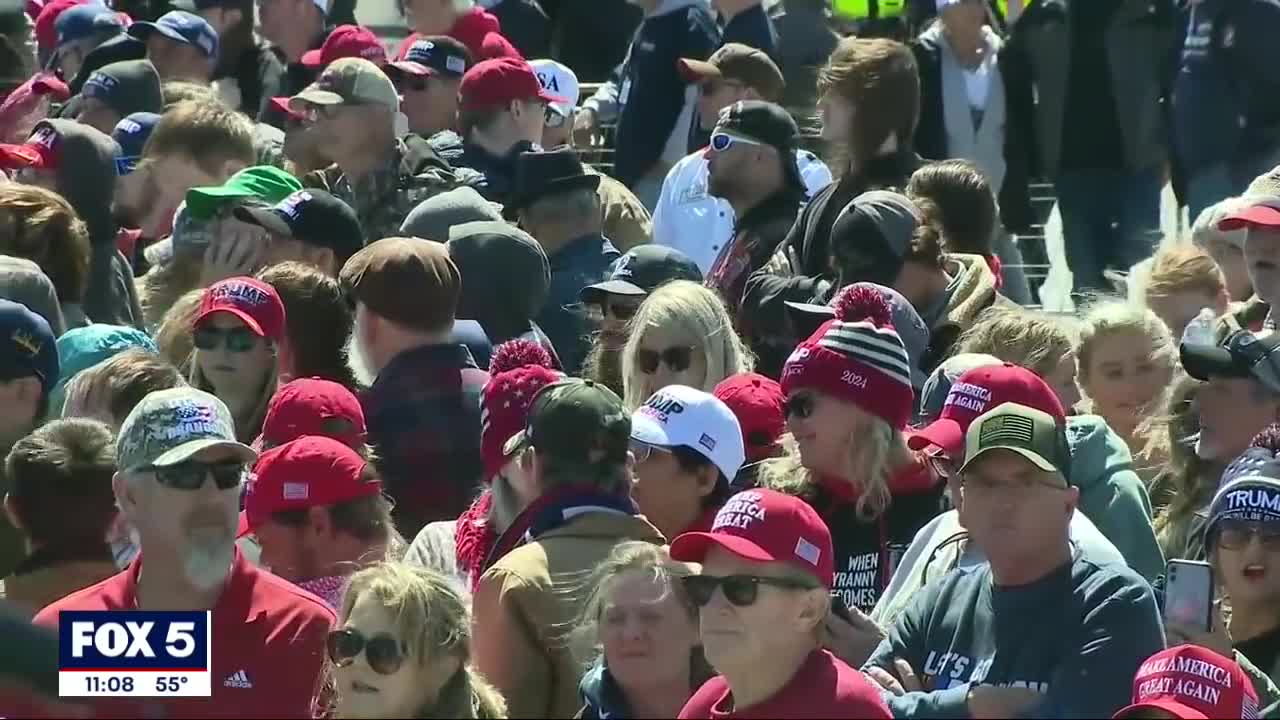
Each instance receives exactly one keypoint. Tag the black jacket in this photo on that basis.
(256, 71)
(122, 47)
(525, 24)
(762, 312)
(931, 135)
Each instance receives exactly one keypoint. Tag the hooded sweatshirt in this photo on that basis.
(86, 177)
(121, 47)
(971, 291)
(1076, 635)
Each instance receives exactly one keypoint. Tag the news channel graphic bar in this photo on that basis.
(134, 653)
(139, 684)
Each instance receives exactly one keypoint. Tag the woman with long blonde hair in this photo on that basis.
(236, 332)
(849, 400)
(681, 335)
(1037, 341)
(402, 649)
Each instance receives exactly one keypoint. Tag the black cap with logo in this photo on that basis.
(313, 216)
(641, 271)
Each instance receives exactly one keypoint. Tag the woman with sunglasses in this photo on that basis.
(642, 631)
(849, 399)
(681, 335)
(236, 333)
(403, 649)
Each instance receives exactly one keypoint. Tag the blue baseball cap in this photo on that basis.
(131, 135)
(181, 26)
(82, 21)
(27, 345)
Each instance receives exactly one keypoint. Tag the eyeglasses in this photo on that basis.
(642, 451)
(553, 119)
(739, 590)
(237, 339)
(723, 141)
(677, 359)
(190, 475)
(800, 405)
(382, 650)
(1236, 534)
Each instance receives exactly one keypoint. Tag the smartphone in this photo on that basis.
(1188, 594)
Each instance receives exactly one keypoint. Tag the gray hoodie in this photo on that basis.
(86, 177)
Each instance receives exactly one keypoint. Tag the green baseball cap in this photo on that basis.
(261, 182)
(169, 426)
(1031, 433)
(577, 421)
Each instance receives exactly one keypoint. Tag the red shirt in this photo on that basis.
(823, 687)
(268, 646)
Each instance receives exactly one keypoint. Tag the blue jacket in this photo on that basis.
(1226, 94)
(580, 263)
(651, 91)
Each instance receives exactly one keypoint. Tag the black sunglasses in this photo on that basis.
(190, 475)
(739, 590)
(799, 405)
(237, 339)
(382, 650)
(676, 358)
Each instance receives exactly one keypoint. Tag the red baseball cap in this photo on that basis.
(1264, 212)
(308, 472)
(45, 26)
(766, 526)
(253, 301)
(347, 41)
(39, 151)
(495, 82)
(757, 401)
(1181, 680)
(314, 406)
(978, 391)
(282, 104)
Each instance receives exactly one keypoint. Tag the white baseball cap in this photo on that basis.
(558, 80)
(681, 416)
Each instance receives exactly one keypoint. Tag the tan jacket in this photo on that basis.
(527, 605)
(30, 592)
(626, 221)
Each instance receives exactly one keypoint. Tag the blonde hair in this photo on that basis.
(41, 226)
(1188, 482)
(696, 312)
(1183, 268)
(432, 619)
(1034, 340)
(165, 286)
(173, 331)
(876, 449)
(1108, 316)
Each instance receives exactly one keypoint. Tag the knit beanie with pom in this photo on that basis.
(517, 371)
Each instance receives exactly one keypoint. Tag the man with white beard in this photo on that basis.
(178, 483)
(422, 407)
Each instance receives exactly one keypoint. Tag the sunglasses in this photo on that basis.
(553, 119)
(642, 451)
(800, 405)
(739, 590)
(723, 141)
(190, 475)
(1235, 534)
(237, 339)
(617, 311)
(382, 650)
(677, 359)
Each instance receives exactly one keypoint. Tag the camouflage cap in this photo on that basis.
(349, 81)
(169, 426)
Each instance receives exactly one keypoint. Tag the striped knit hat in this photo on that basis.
(858, 357)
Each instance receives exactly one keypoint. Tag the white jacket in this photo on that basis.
(688, 219)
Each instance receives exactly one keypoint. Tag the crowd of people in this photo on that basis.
(657, 358)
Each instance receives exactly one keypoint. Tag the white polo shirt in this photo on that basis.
(688, 219)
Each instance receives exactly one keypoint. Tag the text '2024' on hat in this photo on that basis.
(379, 275)
(766, 526)
(576, 421)
(1034, 434)
(170, 426)
(681, 416)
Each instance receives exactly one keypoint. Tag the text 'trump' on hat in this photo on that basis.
(681, 416)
